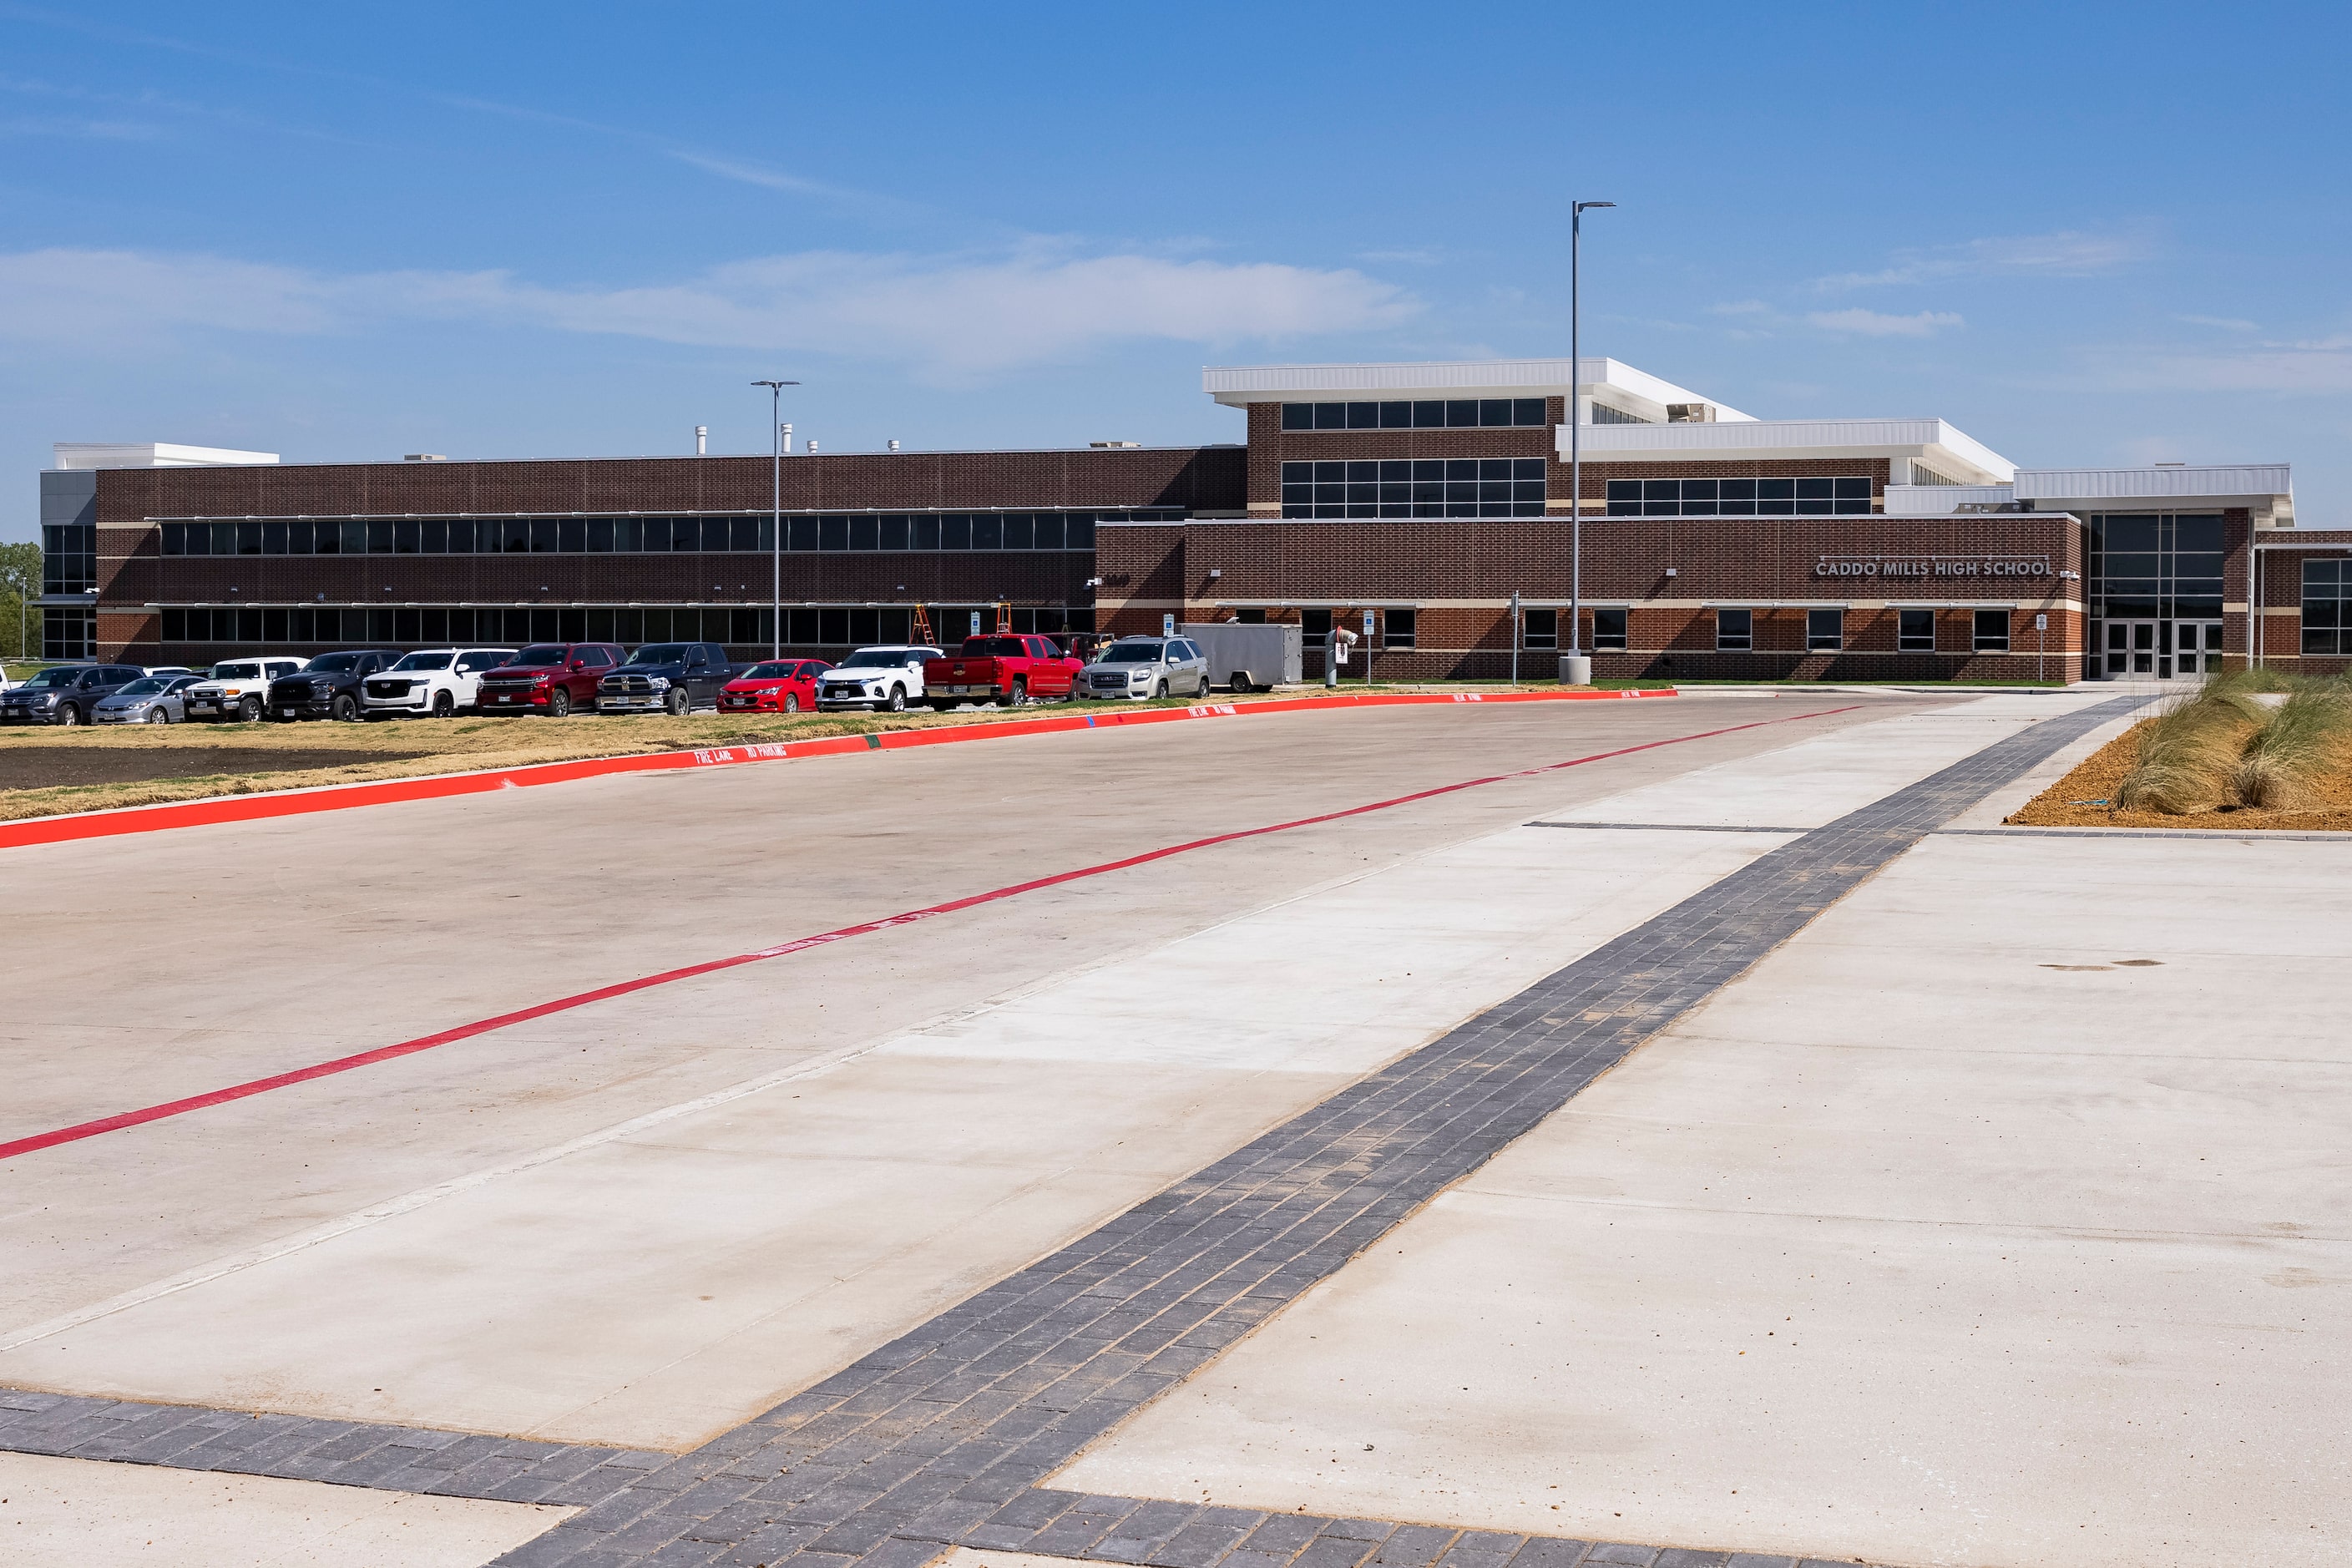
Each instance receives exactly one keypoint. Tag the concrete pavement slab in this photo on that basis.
(77, 1513)
(743, 1251)
(1900, 1249)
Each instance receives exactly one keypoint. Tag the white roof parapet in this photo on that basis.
(1608, 381)
(2197, 480)
(1946, 500)
(152, 454)
(1947, 450)
(2266, 489)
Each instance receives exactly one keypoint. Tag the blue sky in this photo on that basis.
(2083, 234)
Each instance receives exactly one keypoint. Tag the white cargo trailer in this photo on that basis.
(1242, 657)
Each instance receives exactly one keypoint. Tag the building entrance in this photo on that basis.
(2162, 649)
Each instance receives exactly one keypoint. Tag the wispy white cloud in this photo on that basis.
(2226, 323)
(952, 316)
(1756, 318)
(79, 130)
(1874, 325)
(2066, 254)
(2316, 365)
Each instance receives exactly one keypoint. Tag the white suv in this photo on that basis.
(238, 688)
(435, 680)
(883, 679)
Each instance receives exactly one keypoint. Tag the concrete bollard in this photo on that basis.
(1575, 670)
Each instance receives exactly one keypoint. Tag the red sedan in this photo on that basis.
(777, 686)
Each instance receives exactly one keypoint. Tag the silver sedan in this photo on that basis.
(155, 699)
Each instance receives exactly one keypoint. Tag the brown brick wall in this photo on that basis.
(1729, 561)
(1199, 478)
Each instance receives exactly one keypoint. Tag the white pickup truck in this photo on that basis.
(435, 680)
(236, 688)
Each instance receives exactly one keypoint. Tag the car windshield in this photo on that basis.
(1131, 653)
(538, 656)
(771, 671)
(236, 672)
(147, 687)
(329, 663)
(659, 653)
(50, 679)
(425, 661)
(874, 658)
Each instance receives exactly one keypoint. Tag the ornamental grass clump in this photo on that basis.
(2309, 735)
(2187, 755)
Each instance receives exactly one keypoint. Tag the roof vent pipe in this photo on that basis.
(894, 443)
(702, 440)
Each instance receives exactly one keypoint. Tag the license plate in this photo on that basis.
(504, 697)
(286, 713)
(200, 707)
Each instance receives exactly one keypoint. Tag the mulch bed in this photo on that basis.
(2070, 803)
(45, 767)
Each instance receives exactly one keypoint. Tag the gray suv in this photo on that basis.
(1144, 667)
(66, 695)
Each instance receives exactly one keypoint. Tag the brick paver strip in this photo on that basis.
(941, 1438)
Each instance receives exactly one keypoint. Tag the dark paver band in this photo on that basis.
(941, 1438)
(1667, 827)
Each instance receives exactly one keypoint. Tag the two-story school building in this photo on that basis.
(1431, 498)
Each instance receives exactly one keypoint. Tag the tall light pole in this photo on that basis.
(1576, 434)
(776, 515)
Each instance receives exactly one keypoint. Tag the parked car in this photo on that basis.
(151, 699)
(1243, 658)
(66, 694)
(435, 680)
(1007, 668)
(1146, 667)
(673, 678)
(237, 688)
(329, 686)
(883, 678)
(549, 678)
(775, 686)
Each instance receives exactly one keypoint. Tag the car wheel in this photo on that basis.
(69, 715)
(792, 703)
(897, 703)
(676, 702)
(444, 704)
(248, 710)
(345, 709)
(1159, 688)
(1239, 684)
(558, 703)
(1019, 696)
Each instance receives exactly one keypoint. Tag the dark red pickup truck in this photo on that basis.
(1010, 668)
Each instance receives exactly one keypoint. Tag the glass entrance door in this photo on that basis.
(2132, 649)
(2196, 647)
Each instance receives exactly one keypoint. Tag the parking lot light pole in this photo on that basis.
(1576, 437)
(776, 515)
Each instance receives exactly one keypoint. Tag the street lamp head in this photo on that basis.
(775, 383)
(1582, 206)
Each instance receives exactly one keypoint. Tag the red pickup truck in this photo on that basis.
(1007, 667)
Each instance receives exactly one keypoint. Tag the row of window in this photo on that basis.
(666, 535)
(2328, 606)
(805, 626)
(1418, 487)
(2156, 565)
(1735, 630)
(69, 557)
(1739, 498)
(1395, 629)
(1447, 413)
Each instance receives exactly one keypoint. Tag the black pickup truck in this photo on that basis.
(329, 686)
(673, 678)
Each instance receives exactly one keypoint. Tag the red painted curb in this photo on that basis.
(434, 786)
(139, 1118)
